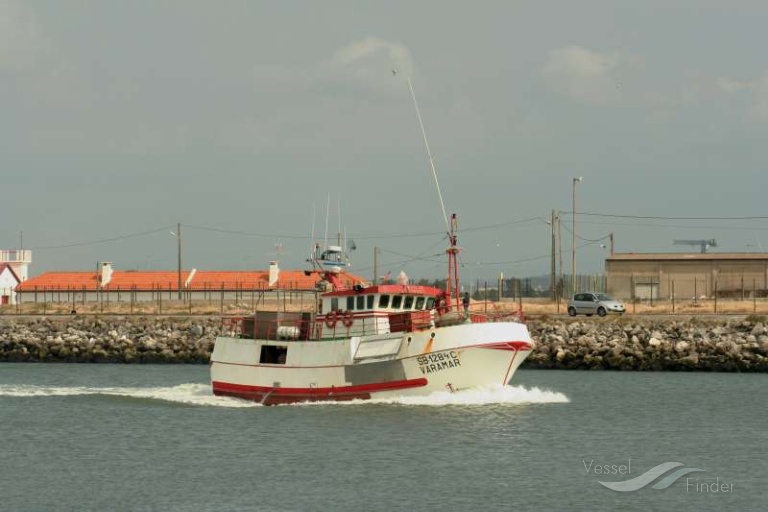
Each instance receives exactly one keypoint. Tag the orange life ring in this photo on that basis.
(331, 319)
(347, 319)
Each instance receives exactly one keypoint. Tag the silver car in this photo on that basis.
(591, 303)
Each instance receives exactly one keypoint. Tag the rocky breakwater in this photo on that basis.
(672, 344)
(655, 345)
(94, 339)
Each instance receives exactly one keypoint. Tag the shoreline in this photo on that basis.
(612, 343)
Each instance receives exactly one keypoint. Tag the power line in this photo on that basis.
(677, 226)
(654, 217)
(414, 258)
(101, 241)
(606, 237)
(245, 233)
(465, 230)
(502, 225)
(372, 236)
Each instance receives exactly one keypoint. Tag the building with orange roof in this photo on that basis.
(111, 285)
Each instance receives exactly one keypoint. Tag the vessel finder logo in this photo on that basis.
(643, 480)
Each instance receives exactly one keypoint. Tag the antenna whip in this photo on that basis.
(429, 154)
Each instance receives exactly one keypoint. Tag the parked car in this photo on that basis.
(591, 303)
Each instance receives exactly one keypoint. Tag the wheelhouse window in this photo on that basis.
(430, 303)
(350, 303)
(360, 302)
(384, 301)
(335, 304)
(420, 302)
(369, 301)
(397, 301)
(408, 304)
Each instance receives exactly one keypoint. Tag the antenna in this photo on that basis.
(338, 213)
(452, 282)
(312, 236)
(429, 153)
(327, 210)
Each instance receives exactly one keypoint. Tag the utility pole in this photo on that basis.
(611, 235)
(375, 265)
(561, 281)
(178, 240)
(553, 269)
(573, 233)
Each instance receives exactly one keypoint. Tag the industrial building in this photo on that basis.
(686, 275)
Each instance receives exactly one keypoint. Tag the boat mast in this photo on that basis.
(452, 282)
(452, 285)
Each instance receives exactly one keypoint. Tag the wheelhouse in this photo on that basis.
(376, 310)
(381, 299)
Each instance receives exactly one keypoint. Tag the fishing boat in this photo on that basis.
(369, 341)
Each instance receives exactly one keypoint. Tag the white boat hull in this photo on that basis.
(451, 358)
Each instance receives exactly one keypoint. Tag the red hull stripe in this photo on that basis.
(507, 345)
(271, 395)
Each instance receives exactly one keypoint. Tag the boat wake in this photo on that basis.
(190, 394)
(201, 395)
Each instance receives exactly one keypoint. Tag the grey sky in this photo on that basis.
(242, 117)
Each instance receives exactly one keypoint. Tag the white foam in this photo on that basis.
(489, 395)
(193, 394)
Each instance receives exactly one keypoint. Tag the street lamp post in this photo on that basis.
(573, 233)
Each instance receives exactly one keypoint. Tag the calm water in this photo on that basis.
(110, 437)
